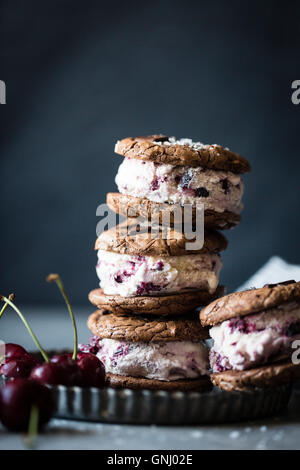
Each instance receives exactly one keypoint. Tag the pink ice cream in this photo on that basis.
(217, 190)
(170, 360)
(128, 275)
(245, 342)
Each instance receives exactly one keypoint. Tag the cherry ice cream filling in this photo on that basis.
(128, 275)
(162, 360)
(163, 183)
(246, 342)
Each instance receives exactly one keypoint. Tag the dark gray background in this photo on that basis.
(81, 74)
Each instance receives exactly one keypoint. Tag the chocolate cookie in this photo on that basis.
(123, 239)
(202, 384)
(259, 377)
(131, 206)
(172, 304)
(105, 324)
(182, 152)
(141, 353)
(251, 301)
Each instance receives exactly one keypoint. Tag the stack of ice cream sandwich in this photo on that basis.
(146, 330)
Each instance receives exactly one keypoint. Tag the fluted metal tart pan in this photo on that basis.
(160, 407)
(124, 405)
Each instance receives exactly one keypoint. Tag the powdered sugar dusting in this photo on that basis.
(183, 141)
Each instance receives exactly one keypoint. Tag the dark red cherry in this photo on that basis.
(62, 370)
(61, 358)
(71, 371)
(19, 367)
(48, 373)
(17, 398)
(93, 371)
(14, 350)
(72, 374)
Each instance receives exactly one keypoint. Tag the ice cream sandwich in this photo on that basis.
(142, 353)
(253, 333)
(157, 275)
(159, 173)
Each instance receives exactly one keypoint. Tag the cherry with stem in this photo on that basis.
(17, 399)
(56, 278)
(33, 427)
(11, 297)
(26, 366)
(89, 370)
(21, 316)
(11, 350)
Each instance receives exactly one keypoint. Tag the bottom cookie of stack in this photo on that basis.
(161, 354)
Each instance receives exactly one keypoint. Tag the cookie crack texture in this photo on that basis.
(172, 304)
(120, 239)
(143, 329)
(208, 156)
(268, 375)
(247, 302)
(133, 207)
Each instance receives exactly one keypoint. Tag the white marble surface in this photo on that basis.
(277, 433)
(53, 327)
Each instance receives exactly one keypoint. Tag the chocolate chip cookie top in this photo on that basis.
(125, 239)
(184, 152)
(144, 329)
(250, 301)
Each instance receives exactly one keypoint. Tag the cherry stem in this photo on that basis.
(9, 302)
(11, 297)
(56, 278)
(33, 427)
